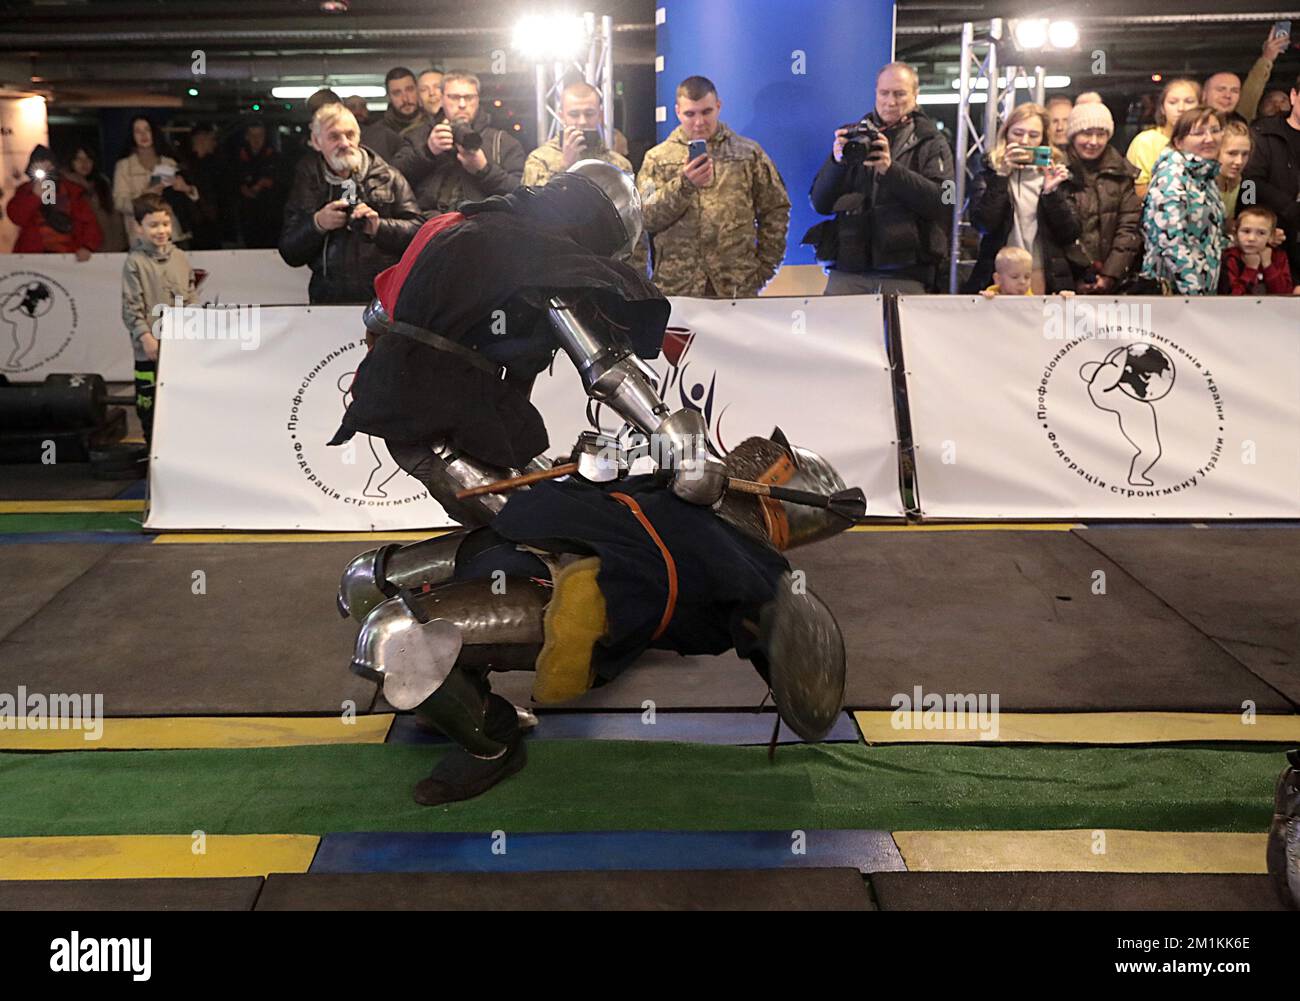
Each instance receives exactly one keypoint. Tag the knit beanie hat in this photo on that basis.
(1090, 115)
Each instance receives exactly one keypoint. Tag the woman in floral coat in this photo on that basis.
(1183, 218)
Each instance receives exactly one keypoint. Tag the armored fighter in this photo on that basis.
(577, 576)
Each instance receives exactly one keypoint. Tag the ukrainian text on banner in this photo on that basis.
(58, 314)
(240, 432)
(1025, 407)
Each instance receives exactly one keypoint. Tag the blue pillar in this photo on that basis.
(788, 73)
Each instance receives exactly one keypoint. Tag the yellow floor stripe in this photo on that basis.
(192, 538)
(984, 526)
(889, 727)
(1081, 851)
(155, 856)
(189, 732)
(69, 506)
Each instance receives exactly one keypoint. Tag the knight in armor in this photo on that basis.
(479, 305)
(574, 579)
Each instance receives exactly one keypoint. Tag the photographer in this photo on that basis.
(53, 216)
(462, 158)
(349, 216)
(885, 188)
(1018, 200)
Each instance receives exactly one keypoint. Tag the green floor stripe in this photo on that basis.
(613, 785)
(91, 521)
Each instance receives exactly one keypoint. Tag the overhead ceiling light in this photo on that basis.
(1030, 33)
(546, 39)
(334, 6)
(1063, 34)
(301, 93)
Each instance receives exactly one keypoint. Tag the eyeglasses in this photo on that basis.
(1202, 134)
(460, 98)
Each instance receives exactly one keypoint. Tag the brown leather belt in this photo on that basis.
(669, 563)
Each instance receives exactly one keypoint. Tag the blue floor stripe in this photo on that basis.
(11, 538)
(138, 490)
(867, 851)
(730, 728)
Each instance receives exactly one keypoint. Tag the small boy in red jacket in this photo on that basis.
(1251, 266)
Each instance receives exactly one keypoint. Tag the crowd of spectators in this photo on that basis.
(1163, 216)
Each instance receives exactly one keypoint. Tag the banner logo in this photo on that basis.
(38, 319)
(360, 473)
(1126, 422)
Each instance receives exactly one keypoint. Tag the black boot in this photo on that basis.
(1284, 834)
(460, 775)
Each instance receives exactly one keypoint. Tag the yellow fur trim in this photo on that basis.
(574, 621)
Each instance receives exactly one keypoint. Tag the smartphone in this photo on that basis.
(1281, 29)
(592, 142)
(1042, 155)
(698, 148)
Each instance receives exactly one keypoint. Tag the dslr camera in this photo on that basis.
(350, 196)
(858, 139)
(464, 136)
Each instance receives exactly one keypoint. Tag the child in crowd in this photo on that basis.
(1012, 270)
(1251, 266)
(156, 272)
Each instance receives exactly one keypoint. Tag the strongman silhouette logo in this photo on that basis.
(1128, 384)
(20, 314)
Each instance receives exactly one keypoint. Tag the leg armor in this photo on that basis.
(612, 374)
(432, 651)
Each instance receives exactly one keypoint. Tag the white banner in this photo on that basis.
(239, 434)
(58, 314)
(1025, 407)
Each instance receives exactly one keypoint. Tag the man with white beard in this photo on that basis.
(349, 214)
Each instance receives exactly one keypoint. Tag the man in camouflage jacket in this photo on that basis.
(719, 221)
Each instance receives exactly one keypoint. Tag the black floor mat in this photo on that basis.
(697, 890)
(1013, 614)
(57, 481)
(87, 895)
(32, 573)
(1240, 586)
(264, 638)
(1059, 891)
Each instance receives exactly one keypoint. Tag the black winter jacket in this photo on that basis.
(991, 211)
(890, 221)
(1109, 213)
(1276, 173)
(344, 264)
(441, 183)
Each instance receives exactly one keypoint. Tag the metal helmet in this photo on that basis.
(619, 187)
(782, 524)
(376, 318)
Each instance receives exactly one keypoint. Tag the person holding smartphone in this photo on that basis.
(713, 202)
(1017, 200)
(890, 227)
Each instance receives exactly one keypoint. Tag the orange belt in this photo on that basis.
(669, 563)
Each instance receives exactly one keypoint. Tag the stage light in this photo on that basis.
(257, 107)
(1062, 35)
(193, 92)
(302, 93)
(1157, 77)
(334, 6)
(1029, 34)
(549, 39)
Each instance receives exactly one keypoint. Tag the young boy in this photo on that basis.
(1012, 269)
(155, 272)
(1250, 267)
